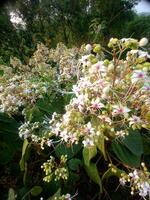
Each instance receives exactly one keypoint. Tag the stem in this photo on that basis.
(115, 66)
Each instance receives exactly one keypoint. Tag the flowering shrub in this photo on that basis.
(101, 132)
(111, 104)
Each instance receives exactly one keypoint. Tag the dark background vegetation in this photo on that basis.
(72, 22)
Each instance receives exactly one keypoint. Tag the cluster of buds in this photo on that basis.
(111, 96)
(138, 180)
(55, 170)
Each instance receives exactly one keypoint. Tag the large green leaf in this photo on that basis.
(91, 168)
(146, 145)
(88, 154)
(33, 114)
(49, 105)
(36, 190)
(125, 155)
(101, 145)
(62, 149)
(134, 142)
(10, 142)
(23, 158)
(74, 164)
(92, 172)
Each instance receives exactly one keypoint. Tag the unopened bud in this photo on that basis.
(88, 47)
(143, 42)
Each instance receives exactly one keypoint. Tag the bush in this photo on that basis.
(85, 116)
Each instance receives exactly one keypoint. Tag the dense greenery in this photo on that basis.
(72, 22)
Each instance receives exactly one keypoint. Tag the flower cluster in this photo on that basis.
(64, 197)
(67, 59)
(23, 84)
(27, 129)
(139, 181)
(55, 170)
(110, 97)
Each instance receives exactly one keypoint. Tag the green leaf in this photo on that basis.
(92, 172)
(62, 149)
(11, 194)
(101, 145)
(74, 164)
(134, 142)
(88, 154)
(125, 155)
(48, 106)
(33, 114)
(23, 160)
(36, 190)
(10, 142)
(146, 145)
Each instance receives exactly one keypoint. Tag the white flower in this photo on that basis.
(68, 196)
(49, 142)
(134, 175)
(88, 142)
(89, 129)
(143, 42)
(138, 75)
(121, 134)
(120, 110)
(134, 51)
(84, 60)
(105, 119)
(146, 88)
(144, 189)
(143, 54)
(96, 104)
(134, 120)
(76, 90)
(122, 181)
(98, 67)
(64, 135)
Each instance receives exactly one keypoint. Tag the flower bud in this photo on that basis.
(106, 90)
(88, 47)
(143, 42)
(110, 67)
(97, 48)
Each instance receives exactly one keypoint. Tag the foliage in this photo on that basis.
(139, 27)
(51, 22)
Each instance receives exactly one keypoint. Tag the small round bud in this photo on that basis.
(143, 42)
(88, 47)
(106, 90)
(110, 67)
(97, 48)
